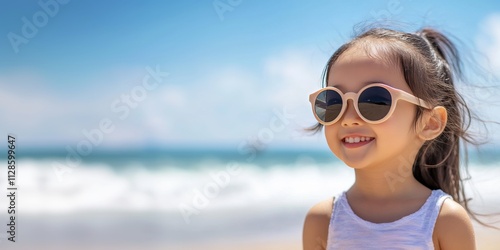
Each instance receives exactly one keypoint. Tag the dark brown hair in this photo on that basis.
(431, 66)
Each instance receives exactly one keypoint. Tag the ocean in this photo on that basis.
(184, 199)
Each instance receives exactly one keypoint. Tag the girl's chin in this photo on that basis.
(356, 165)
(354, 162)
(355, 159)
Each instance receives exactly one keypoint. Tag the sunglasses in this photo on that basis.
(374, 103)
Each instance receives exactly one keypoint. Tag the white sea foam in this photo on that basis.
(99, 187)
(139, 204)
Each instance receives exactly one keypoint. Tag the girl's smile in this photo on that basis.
(356, 141)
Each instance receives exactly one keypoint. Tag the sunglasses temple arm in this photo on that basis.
(413, 99)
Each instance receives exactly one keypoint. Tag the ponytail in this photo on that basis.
(438, 162)
(444, 48)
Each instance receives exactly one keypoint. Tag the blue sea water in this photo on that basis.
(177, 196)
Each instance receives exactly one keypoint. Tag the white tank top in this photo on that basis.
(414, 231)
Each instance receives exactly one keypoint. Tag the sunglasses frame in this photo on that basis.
(396, 95)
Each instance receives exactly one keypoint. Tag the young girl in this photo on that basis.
(391, 112)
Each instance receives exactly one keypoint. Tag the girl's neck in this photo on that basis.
(386, 185)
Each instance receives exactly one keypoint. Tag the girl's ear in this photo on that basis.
(433, 123)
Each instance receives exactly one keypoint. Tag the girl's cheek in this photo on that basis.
(330, 134)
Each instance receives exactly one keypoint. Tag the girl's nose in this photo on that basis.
(350, 116)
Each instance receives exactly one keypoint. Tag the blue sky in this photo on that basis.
(231, 74)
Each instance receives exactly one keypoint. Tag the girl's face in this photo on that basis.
(391, 142)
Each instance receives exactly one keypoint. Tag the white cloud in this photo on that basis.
(233, 103)
(30, 110)
(294, 75)
(217, 108)
(488, 41)
(227, 105)
(46, 116)
(20, 105)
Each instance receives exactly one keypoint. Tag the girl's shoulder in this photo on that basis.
(316, 224)
(322, 210)
(453, 228)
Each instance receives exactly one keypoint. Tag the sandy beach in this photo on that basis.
(124, 239)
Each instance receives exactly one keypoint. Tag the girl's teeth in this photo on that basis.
(357, 139)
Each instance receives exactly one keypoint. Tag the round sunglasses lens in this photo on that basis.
(328, 105)
(374, 103)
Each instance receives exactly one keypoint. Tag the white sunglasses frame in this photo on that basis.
(396, 95)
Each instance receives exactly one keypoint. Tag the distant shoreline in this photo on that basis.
(489, 154)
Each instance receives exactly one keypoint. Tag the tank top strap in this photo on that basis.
(430, 215)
